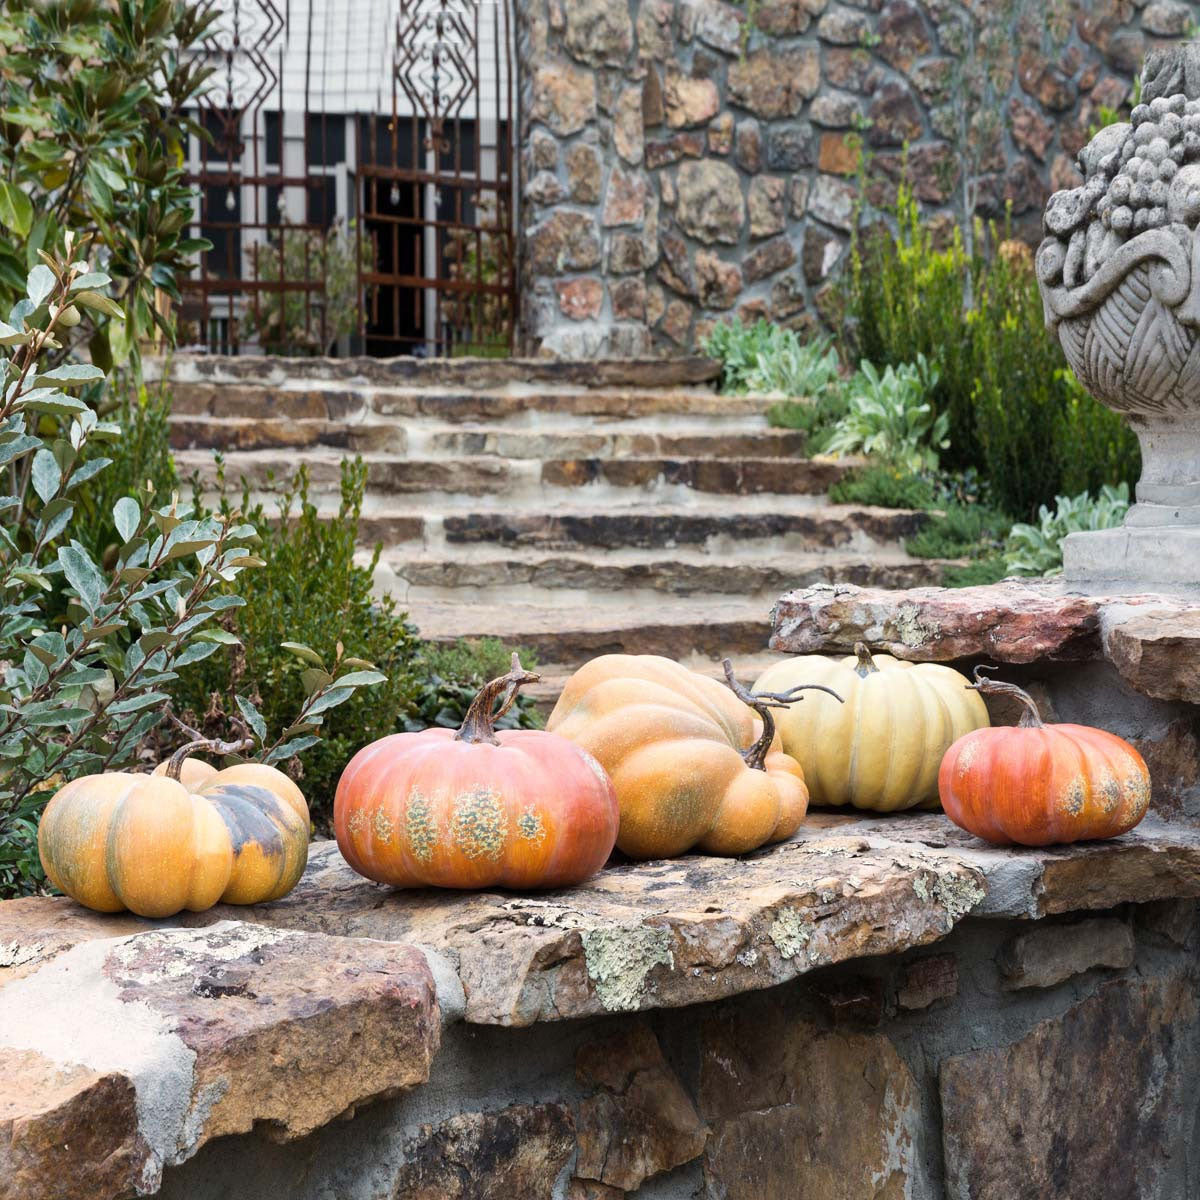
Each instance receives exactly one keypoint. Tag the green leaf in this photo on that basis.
(90, 281)
(330, 699)
(221, 636)
(16, 209)
(127, 516)
(12, 337)
(82, 575)
(314, 679)
(46, 476)
(136, 703)
(357, 679)
(253, 717)
(99, 303)
(40, 284)
(304, 652)
(57, 404)
(73, 373)
(291, 749)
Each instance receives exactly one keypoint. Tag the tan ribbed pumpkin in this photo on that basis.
(882, 748)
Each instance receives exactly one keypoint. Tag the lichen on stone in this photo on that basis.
(957, 894)
(478, 823)
(619, 960)
(909, 628)
(791, 931)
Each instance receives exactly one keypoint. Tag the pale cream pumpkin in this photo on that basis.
(882, 748)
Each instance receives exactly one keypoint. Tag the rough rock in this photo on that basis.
(720, 134)
(833, 201)
(1157, 652)
(122, 1055)
(1042, 1117)
(1008, 622)
(599, 32)
(564, 97)
(1050, 953)
(584, 173)
(625, 200)
(775, 84)
(820, 255)
(839, 154)
(797, 1110)
(580, 299)
(1168, 18)
(639, 1121)
(769, 258)
(765, 204)
(654, 36)
(834, 109)
(565, 241)
(903, 36)
(790, 146)
(894, 116)
(748, 150)
(718, 283)
(689, 101)
(1030, 130)
(785, 17)
(719, 25)
(629, 300)
(710, 205)
(516, 1152)
(842, 26)
(926, 980)
(628, 125)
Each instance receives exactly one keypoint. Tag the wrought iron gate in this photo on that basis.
(435, 186)
(348, 226)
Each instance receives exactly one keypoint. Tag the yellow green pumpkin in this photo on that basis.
(185, 837)
(882, 748)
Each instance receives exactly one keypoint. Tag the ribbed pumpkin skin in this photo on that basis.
(1044, 786)
(880, 750)
(155, 846)
(672, 740)
(426, 810)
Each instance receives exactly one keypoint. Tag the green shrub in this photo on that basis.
(888, 415)
(961, 531)
(1014, 410)
(311, 591)
(886, 486)
(816, 417)
(765, 358)
(991, 568)
(454, 672)
(1036, 549)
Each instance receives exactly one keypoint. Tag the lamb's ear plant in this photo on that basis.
(88, 651)
(1036, 549)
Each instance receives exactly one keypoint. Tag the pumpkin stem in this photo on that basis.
(866, 664)
(209, 746)
(479, 725)
(1031, 718)
(762, 703)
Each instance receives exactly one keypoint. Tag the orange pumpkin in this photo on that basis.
(186, 836)
(476, 809)
(1042, 785)
(691, 765)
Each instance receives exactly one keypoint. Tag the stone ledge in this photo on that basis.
(690, 930)
(1152, 640)
(121, 1055)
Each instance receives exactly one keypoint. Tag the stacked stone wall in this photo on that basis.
(685, 161)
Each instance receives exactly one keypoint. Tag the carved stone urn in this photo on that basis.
(1119, 273)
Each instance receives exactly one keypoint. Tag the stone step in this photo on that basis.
(677, 626)
(686, 437)
(475, 373)
(530, 479)
(484, 575)
(198, 405)
(713, 528)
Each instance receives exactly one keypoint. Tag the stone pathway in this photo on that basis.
(573, 508)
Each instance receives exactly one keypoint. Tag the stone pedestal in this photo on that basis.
(1120, 279)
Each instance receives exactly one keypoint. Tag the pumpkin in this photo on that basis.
(1042, 785)
(474, 809)
(881, 749)
(691, 765)
(187, 836)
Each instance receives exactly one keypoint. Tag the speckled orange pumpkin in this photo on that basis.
(1042, 785)
(520, 808)
(187, 836)
(691, 765)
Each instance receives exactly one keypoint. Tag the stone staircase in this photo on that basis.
(574, 508)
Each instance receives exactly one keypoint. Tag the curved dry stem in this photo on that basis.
(210, 746)
(479, 725)
(762, 703)
(866, 664)
(1031, 718)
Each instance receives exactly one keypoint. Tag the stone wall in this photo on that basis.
(683, 161)
(1011, 1061)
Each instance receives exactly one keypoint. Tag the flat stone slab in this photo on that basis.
(1153, 640)
(122, 1055)
(689, 930)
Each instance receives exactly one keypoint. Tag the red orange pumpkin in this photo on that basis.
(520, 808)
(1042, 785)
